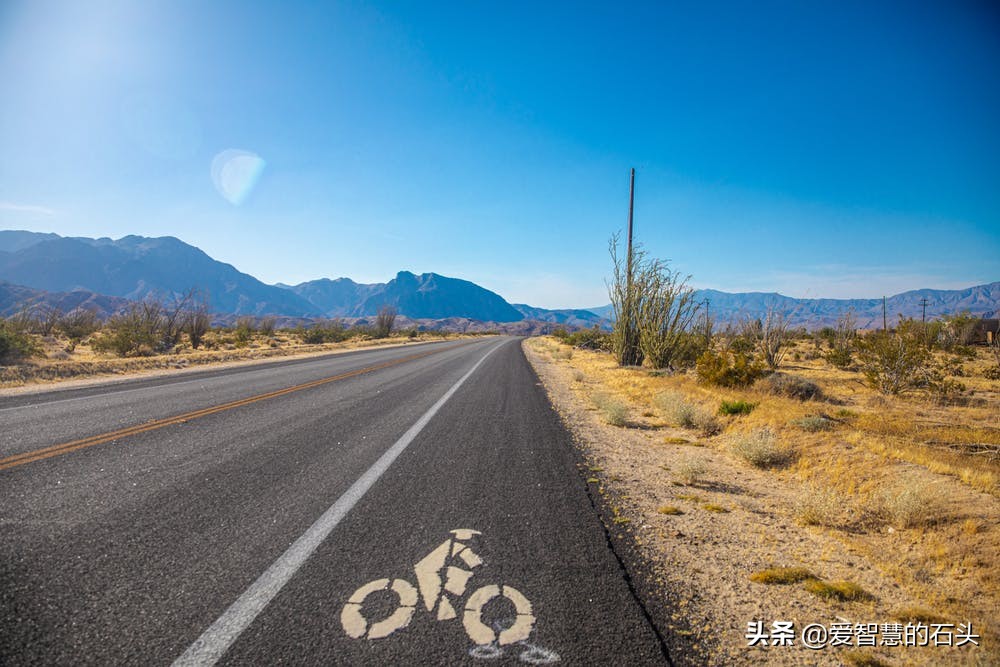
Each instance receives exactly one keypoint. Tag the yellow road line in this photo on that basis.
(66, 447)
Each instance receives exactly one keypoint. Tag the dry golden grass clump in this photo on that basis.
(782, 575)
(761, 448)
(846, 591)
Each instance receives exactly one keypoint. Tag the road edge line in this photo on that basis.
(218, 637)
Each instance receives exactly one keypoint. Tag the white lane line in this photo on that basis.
(216, 640)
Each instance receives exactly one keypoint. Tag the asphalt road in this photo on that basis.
(233, 516)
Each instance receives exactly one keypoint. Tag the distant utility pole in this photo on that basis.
(885, 324)
(923, 315)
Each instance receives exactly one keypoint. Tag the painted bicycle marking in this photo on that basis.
(442, 579)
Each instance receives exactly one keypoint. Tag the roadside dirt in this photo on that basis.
(700, 541)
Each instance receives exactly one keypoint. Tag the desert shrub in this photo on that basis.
(893, 363)
(136, 331)
(817, 508)
(769, 337)
(736, 407)
(266, 325)
(685, 414)
(841, 341)
(691, 471)
(761, 449)
(669, 510)
(728, 369)
(16, 345)
(665, 311)
(384, 321)
(945, 391)
(813, 423)
(790, 386)
(197, 323)
(959, 330)
(625, 291)
(323, 331)
(78, 324)
(908, 505)
(590, 339)
(615, 411)
(243, 331)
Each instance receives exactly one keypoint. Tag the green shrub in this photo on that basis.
(894, 362)
(78, 324)
(761, 449)
(15, 345)
(791, 386)
(736, 407)
(323, 331)
(728, 369)
(243, 332)
(137, 331)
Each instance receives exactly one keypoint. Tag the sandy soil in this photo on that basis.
(734, 521)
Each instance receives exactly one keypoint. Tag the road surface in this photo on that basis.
(302, 512)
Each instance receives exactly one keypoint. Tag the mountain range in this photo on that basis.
(103, 274)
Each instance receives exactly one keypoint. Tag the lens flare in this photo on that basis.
(235, 173)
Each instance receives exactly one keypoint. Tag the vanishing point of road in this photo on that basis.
(415, 505)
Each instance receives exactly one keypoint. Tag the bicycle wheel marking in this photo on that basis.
(443, 576)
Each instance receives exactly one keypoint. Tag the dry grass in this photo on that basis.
(669, 510)
(845, 591)
(614, 409)
(761, 449)
(686, 414)
(691, 471)
(782, 575)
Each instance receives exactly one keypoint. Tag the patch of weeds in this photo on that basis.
(760, 449)
(917, 615)
(792, 386)
(844, 413)
(595, 469)
(712, 507)
(691, 471)
(685, 414)
(669, 509)
(693, 497)
(817, 508)
(862, 659)
(813, 423)
(782, 575)
(972, 527)
(593, 480)
(845, 591)
(730, 408)
(578, 376)
(676, 441)
(909, 505)
(615, 411)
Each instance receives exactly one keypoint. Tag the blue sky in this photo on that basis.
(816, 149)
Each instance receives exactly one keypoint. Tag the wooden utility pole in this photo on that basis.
(628, 258)
(923, 315)
(885, 324)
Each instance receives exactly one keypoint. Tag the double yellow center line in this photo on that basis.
(66, 447)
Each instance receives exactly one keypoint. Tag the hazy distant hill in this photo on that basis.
(14, 298)
(980, 300)
(565, 317)
(134, 267)
(427, 296)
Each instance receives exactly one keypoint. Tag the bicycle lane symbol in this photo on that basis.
(445, 572)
